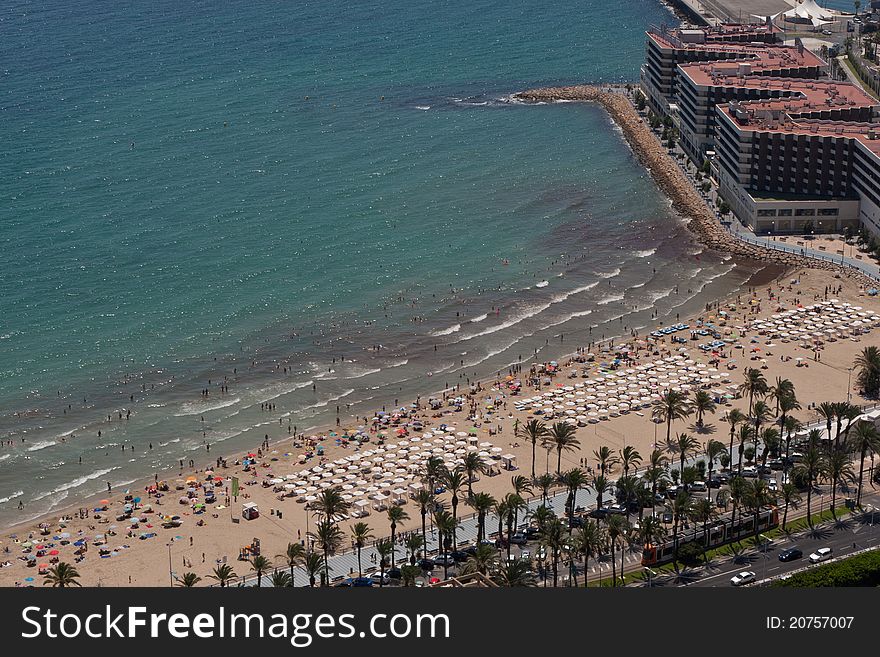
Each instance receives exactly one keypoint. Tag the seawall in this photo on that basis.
(672, 181)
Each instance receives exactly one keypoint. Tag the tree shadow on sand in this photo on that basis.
(707, 429)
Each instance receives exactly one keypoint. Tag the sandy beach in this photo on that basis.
(208, 538)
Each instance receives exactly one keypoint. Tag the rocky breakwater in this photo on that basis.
(670, 178)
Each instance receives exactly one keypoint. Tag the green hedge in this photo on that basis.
(860, 570)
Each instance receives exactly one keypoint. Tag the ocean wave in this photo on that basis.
(513, 321)
(645, 253)
(399, 363)
(17, 493)
(479, 318)
(611, 274)
(583, 288)
(3, 457)
(364, 373)
(76, 483)
(424, 108)
(194, 408)
(455, 328)
(275, 391)
(322, 404)
(610, 299)
(43, 444)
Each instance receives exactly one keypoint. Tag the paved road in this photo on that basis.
(844, 538)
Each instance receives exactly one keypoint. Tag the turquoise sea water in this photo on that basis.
(196, 192)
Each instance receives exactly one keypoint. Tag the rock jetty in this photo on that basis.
(672, 181)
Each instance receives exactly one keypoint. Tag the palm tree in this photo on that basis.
(745, 435)
(361, 533)
(515, 504)
(737, 492)
(618, 529)
(520, 485)
(791, 426)
(783, 389)
(652, 531)
(714, 449)
(314, 565)
(588, 541)
(413, 545)
(828, 411)
(786, 406)
(189, 580)
(702, 403)
(384, 548)
(606, 459)
(473, 465)
(544, 483)
(770, 439)
(684, 445)
(868, 378)
(445, 523)
(514, 574)
(294, 555)
(754, 385)
(655, 475)
(534, 431)
(260, 564)
(601, 485)
(553, 538)
(761, 414)
(628, 491)
(703, 512)
(848, 412)
(541, 515)
(483, 560)
(331, 505)
(435, 470)
(629, 458)
(734, 417)
(396, 516)
(281, 580)
(680, 507)
(454, 481)
(223, 574)
(811, 468)
(425, 500)
(62, 575)
(758, 496)
(573, 480)
(865, 440)
(791, 498)
(562, 437)
(500, 511)
(329, 538)
(671, 406)
(482, 503)
(840, 471)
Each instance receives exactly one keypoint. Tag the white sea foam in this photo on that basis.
(195, 408)
(76, 483)
(3, 457)
(455, 328)
(399, 363)
(424, 108)
(322, 404)
(17, 493)
(610, 299)
(542, 284)
(645, 253)
(479, 318)
(275, 391)
(43, 444)
(611, 274)
(364, 373)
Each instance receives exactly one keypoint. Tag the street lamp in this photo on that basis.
(170, 571)
(848, 385)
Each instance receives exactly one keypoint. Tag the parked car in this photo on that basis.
(820, 555)
(394, 573)
(715, 481)
(459, 555)
(426, 564)
(519, 538)
(357, 581)
(380, 578)
(741, 578)
(532, 533)
(698, 486)
(791, 554)
(775, 464)
(444, 560)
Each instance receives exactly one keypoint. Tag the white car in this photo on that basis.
(820, 555)
(745, 577)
